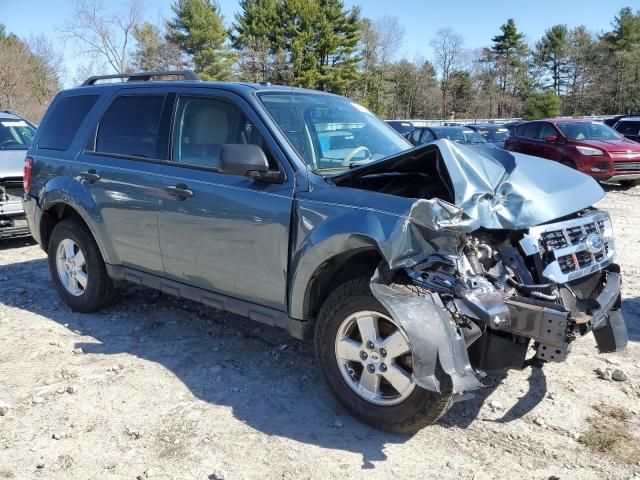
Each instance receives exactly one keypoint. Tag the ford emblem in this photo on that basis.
(594, 243)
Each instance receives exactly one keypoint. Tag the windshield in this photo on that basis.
(494, 134)
(460, 135)
(588, 131)
(332, 133)
(15, 134)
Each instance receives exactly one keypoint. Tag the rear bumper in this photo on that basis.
(33, 215)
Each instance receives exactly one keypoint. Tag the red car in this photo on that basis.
(589, 146)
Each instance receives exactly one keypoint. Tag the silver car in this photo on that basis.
(16, 136)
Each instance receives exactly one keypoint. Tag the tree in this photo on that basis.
(541, 105)
(623, 44)
(108, 36)
(30, 74)
(320, 40)
(448, 50)
(153, 51)
(582, 59)
(509, 58)
(198, 29)
(552, 51)
(254, 36)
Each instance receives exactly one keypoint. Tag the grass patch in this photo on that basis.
(617, 413)
(610, 433)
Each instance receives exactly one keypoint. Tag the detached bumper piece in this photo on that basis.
(554, 328)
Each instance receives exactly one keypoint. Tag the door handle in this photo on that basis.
(180, 190)
(91, 176)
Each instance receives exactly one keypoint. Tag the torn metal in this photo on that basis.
(481, 287)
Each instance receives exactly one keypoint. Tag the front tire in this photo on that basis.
(366, 360)
(77, 268)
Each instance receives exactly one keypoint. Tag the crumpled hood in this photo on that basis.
(496, 189)
(12, 163)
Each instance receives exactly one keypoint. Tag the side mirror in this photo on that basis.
(246, 160)
(551, 139)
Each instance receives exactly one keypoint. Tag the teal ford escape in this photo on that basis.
(412, 269)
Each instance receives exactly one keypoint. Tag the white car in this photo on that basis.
(16, 135)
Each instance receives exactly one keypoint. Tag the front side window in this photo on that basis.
(427, 136)
(331, 133)
(415, 135)
(130, 127)
(203, 125)
(547, 131)
(15, 134)
(588, 131)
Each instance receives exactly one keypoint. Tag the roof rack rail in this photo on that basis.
(189, 75)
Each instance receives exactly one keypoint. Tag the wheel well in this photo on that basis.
(568, 162)
(336, 271)
(52, 217)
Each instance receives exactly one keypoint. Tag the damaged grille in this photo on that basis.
(576, 247)
(11, 194)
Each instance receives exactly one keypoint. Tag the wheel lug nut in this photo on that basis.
(363, 355)
(371, 368)
(383, 367)
(383, 352)
(370, 345)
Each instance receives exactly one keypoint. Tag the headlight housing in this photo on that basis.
(590, 151)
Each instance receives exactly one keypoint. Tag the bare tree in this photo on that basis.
(389, 35)
(46, 68)
(104, 35)
(448, 52)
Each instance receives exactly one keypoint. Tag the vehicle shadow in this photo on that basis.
(16, 242)
(268, 379)
(631, 312)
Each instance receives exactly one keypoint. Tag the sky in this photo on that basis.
(477, 21)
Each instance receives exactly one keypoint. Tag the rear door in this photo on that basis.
(118, 170)
(224, 233)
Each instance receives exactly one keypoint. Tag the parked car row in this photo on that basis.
(592, 147)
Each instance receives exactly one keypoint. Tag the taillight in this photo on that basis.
(28, 165)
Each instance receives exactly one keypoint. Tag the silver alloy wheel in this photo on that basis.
(374, 357)
(72, 267)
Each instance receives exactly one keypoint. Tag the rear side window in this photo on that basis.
(629, 128)
(63, 122)
(130, 126)
(531, 130)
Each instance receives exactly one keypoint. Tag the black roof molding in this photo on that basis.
(189, 75)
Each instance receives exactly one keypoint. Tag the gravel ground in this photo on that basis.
(156, 388)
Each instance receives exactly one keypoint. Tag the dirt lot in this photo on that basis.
(156, 388)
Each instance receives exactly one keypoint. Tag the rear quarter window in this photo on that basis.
(62, 124)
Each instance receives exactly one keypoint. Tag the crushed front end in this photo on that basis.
(549, 285)
(515, 257)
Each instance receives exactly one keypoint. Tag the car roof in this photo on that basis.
(449, 127)
(236, 87)
(630, 119)
(6, 114)
(486, 125)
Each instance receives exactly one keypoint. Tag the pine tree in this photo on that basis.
(553, 51)
(198, 28)
(509, 53)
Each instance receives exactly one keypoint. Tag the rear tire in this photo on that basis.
(415, 410)
(77, 268)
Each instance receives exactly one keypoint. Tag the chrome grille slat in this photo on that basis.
(566, 241)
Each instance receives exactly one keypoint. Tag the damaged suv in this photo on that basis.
(412, 269)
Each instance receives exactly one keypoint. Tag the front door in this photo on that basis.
(224, 233)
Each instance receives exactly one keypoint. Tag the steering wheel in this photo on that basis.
(356, 151)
